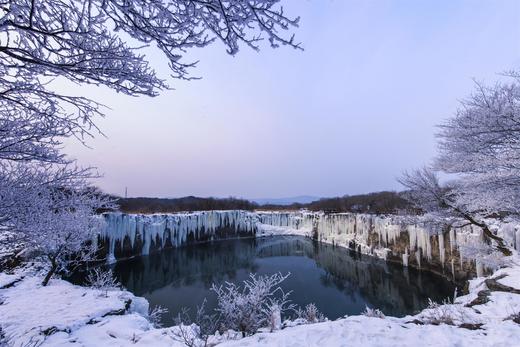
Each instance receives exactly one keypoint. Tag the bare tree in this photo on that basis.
(480, 153)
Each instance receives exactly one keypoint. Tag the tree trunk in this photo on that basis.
(488, 234)
(51, 272)
(500, 242)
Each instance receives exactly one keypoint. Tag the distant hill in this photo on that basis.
(302, 199)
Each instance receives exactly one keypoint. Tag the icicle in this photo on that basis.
(480, 268)
(453, 241)
(453, 268)
(441, 248)
(418, 258)
(455, 294)
(341, 228)
(517, 235)
(405, 257)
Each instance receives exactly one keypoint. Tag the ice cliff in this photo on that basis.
(405, 240)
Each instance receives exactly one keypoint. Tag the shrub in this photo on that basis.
(373, 312)
(156, 314)
(103, 280)
(254, 305)
(311, 314)
(194, 333)
(444, 313)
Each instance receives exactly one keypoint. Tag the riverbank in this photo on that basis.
(63, 314)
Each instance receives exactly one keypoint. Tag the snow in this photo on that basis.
(512, 278)
(7, 279)
(79, 318)
(368, 331)
(28, 309)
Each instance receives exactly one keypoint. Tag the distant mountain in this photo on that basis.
(304, 199)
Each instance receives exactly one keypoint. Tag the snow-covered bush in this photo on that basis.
(258, 303)
(373, 312)
(3, 339)
(103, 280)
(445, 313)
(310, 314)
(196, 332)
(156, 314)
(515, 317)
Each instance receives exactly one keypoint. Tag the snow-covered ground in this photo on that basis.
(63, 314)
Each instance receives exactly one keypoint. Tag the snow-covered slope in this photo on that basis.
(66, 315)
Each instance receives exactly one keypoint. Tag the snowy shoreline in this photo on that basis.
(63, 314)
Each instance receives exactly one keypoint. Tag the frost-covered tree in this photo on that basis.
(258, 303)
(43, 196)
(101, 42)
(52, 212)
(480, 154)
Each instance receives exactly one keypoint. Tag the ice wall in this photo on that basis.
(138, 233)
(369, 233)
(406, 240)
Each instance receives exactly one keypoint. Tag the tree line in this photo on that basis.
(188, 203)
(386, 202)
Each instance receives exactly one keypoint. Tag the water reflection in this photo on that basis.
(338, 281)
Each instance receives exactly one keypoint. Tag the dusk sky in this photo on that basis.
(347, 115)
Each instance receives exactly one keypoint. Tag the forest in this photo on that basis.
(386, 202)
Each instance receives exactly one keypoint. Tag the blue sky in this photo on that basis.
(345, 116)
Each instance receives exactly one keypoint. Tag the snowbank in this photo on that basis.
(29, 312)
(465, 323)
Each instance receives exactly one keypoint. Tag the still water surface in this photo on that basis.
(338, 281)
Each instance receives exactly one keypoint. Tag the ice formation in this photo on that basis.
(382, 236)
(175, 228)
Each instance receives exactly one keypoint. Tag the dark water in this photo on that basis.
(337, 281)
